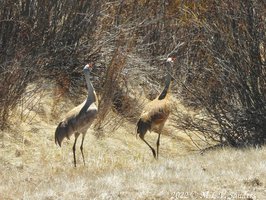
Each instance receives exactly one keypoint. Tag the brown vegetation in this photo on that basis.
(220, 48)
(120, 166)
(219, 92)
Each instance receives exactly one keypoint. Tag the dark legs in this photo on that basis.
(81, 148)
(158, 140)
(158, 144)
(74, 148)
(152, 149)
(155, 155)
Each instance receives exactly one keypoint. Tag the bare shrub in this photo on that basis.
(225, 73)
(14, 79)
(45, 40)
(220, 48)
(111, 84)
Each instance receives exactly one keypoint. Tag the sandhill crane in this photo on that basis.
(79, 119)
(156, 112)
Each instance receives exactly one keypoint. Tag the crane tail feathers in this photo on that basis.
(143, 127)
(60, 134)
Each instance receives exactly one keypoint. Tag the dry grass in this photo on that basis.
(119, 166)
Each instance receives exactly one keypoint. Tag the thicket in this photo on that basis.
(220, 48)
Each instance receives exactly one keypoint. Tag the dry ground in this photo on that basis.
(119, 166)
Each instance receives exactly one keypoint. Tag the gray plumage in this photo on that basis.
(79, 119)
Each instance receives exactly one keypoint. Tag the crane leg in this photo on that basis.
(81, 147)
(74, 148)
(152, 149)
(158, 144)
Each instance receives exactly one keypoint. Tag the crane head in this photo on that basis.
(88, 66)
(171, 59)
(169, 66)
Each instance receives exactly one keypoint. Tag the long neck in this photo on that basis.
(91, 93)
(167, 83)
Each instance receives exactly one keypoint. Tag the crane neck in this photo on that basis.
(91, 91)
(167, 82)
(166, 87)
(91, 98)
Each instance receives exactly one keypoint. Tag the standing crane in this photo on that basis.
(78, 120)
(156, 112)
